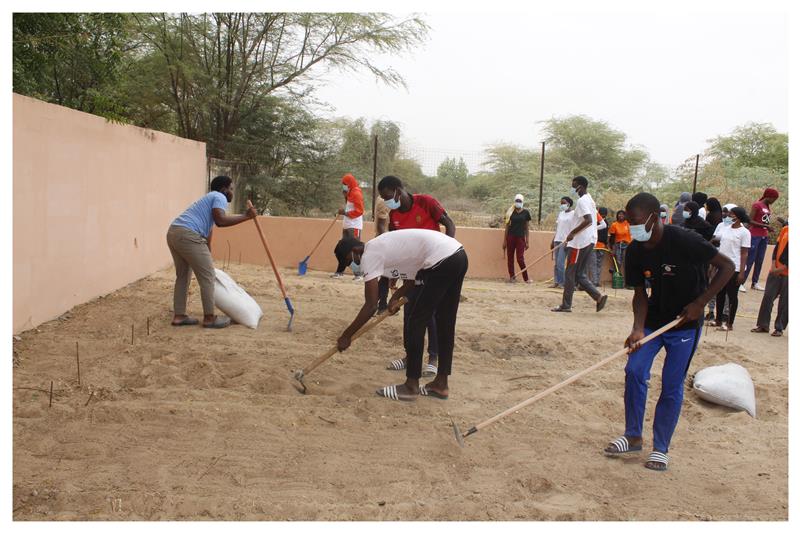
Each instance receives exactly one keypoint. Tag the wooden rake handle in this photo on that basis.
(269, 254)
(323, 236)
(365, 328)
(569, 380)
(539, 259)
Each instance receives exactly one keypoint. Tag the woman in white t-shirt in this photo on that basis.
(437, 264)
(564, 224)
(734, 242)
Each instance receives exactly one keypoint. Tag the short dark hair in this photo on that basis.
(344, 247)
(602, 210)
(693, 207)
(390, 182)
(581, 181)
(621, 211)
(644, 201)
(741, 214)
(568, 199)
(700, 198)
(219, 183)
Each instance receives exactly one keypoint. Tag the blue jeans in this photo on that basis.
(680, 346)
(758, 249)
(619, 253)
(560, 264)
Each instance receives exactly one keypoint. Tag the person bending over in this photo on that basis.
(189, 242)
(433, 265)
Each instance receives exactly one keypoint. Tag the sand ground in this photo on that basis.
(189, 423)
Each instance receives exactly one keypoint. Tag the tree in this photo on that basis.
(71, 59)
(220, 67)
(752, 145)
(452, 170)
(578, 144)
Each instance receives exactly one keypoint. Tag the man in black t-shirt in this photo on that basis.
(673, 260)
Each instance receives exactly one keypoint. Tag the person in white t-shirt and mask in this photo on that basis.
(734, 242)
(580, 246)
(564, 223)
(435, 263)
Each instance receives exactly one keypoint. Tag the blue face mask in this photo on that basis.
(563, 207)
(639, 233)
(727, 221)
(391, 203)
(573, 190)
(687, 214)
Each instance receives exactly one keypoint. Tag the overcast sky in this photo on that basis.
(670, 82)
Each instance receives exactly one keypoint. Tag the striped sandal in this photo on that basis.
(424, 391)
(397, 364)
(429, 371)
(620, 446)
(657, 461)
(392, 393)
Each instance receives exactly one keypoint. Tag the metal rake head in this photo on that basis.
(299, 377)
(457, 432)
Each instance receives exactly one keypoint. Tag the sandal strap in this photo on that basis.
(658, 457)
(398, 364)
(621, 444)
(390, 392)
(423, 391)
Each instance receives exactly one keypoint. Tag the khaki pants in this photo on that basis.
(190, 250)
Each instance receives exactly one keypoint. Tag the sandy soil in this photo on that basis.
(189, 423)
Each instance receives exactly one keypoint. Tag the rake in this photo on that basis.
(511, 410)
(539, 259)
(274, 269)
(300, 374)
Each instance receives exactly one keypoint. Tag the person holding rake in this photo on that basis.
(674, 261)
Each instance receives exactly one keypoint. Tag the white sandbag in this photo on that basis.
(234, 301)
(729, 385)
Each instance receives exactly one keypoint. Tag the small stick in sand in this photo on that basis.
(89, 400)
(240, 257)
(131, 333)
(726, 334)
(229, 254)
(51, 394)
(148, 326)
(78, 360)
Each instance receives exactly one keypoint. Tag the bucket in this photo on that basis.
(617, 281)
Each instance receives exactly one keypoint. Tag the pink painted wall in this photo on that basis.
(92, 204)
(291, 239)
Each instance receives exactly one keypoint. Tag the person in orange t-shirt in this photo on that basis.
(777, 287)
(353, 211)
(619, 236)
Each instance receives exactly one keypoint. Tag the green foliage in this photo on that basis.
(71, 59)
(452, 170)
(752, 145)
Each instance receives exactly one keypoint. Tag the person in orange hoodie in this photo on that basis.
(777, 287)
(353, 221)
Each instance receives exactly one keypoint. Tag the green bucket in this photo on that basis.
(617, 281)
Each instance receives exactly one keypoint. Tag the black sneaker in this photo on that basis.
(601, 303)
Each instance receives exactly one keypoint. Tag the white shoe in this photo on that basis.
(336, 275)
(358, 278)
(757, 287)
(742, 288)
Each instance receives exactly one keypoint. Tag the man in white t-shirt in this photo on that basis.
(580, 244)
(438, 263)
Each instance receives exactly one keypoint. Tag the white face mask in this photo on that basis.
(727, 221)
(639, 233)
(518, 204)
(563, 207)
(345, 188)
(687, 214)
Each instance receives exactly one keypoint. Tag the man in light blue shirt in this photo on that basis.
(189, 241)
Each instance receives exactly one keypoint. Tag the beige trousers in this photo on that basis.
(190, 250)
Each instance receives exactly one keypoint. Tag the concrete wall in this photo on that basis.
(92, 203)
(291, 239)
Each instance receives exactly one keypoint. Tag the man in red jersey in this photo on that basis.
(415, 211)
